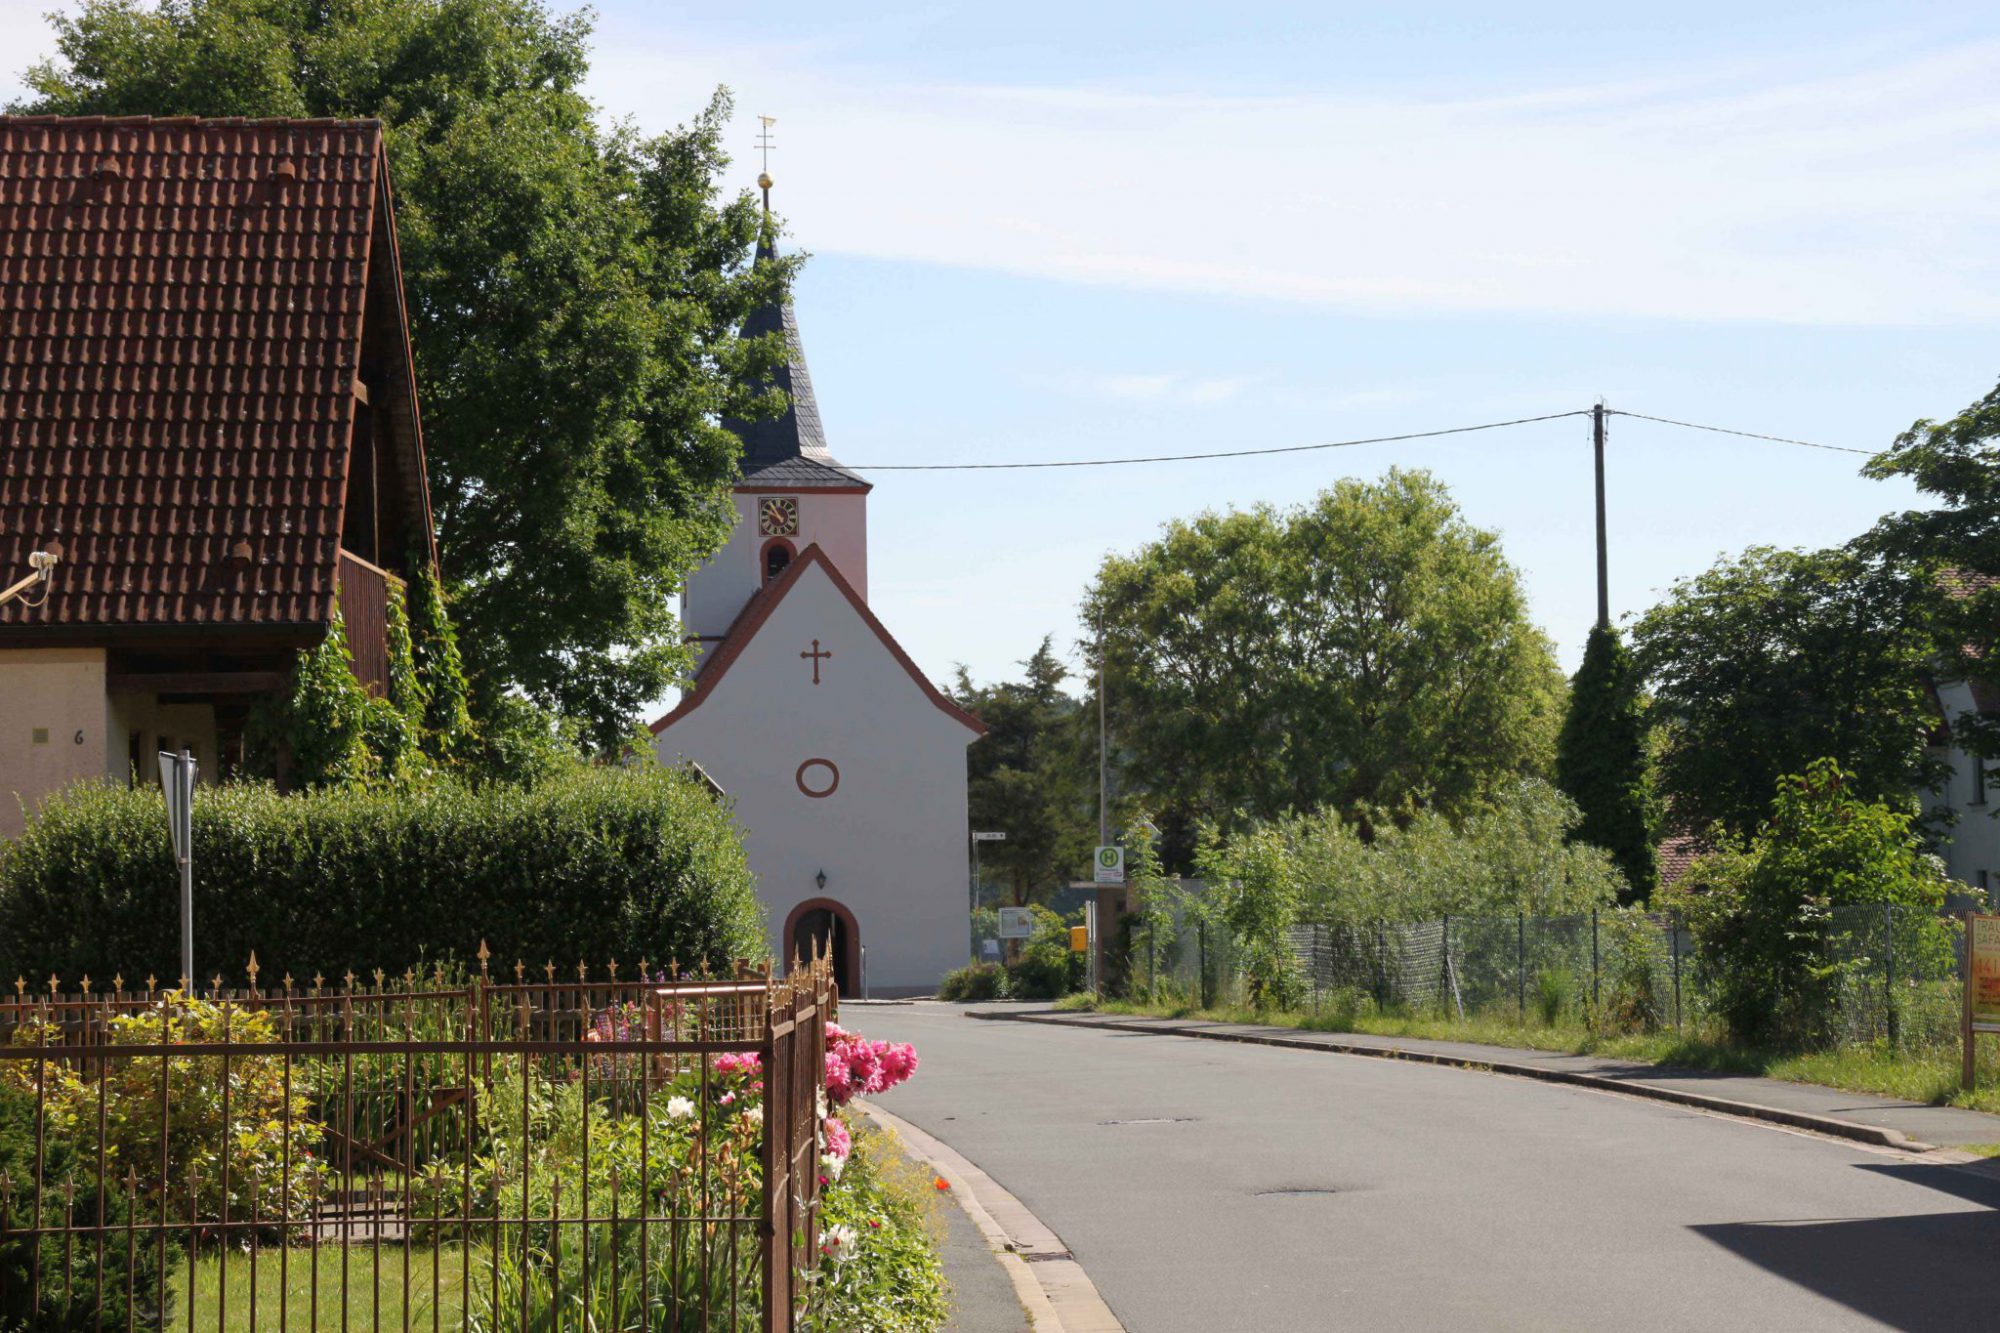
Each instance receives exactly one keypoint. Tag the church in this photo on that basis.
(845, 764)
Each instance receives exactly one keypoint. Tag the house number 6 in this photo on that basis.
(79, 735)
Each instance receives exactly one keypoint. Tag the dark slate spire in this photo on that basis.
(790, 448)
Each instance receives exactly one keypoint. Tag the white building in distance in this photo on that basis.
(845, 763)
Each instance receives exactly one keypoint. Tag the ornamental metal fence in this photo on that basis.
(1894, 971)
(426, 1152)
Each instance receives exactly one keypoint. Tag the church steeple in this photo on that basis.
(790, 448)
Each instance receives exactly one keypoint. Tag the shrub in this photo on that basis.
(1259, 902)
(1555, 994)
(70, 1292)
(590, 865)
(264, 1129)
(1046, 969)
(973, 982)
(1780, 924)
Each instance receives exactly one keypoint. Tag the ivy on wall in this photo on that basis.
(335, 733)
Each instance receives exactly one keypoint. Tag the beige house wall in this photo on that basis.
(58, 727)
(54, 726)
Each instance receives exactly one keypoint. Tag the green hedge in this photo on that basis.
(589, 866)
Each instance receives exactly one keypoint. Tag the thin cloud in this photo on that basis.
(1828, 192)
(1164, 389)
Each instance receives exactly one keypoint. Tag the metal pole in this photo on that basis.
(1103, 765)
(1674, 926)
(1593, 959)
(1603, 563)
(1889, 969)
(1444, 965)
(184, 779)
(972, 915)
(1521, 965)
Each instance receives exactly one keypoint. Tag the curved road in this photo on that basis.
(1209, 1187)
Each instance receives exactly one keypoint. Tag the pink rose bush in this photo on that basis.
(855, 1065)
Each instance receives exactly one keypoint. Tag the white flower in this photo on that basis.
(679, 1108)
(832, 1165)
(755, 1115)
(839, 1243)
(821, 1098)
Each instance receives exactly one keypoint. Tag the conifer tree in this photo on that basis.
(1601, 759)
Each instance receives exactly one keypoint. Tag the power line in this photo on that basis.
(1746, 434)
(1346, 444)
(1225, 453)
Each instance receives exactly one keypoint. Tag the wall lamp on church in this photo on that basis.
(820, 879)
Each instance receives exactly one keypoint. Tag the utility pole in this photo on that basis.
(1603, 565)
(1103, 770)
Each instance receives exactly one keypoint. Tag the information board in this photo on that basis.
(1982, 942)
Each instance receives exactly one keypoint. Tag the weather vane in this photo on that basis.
(764, 146)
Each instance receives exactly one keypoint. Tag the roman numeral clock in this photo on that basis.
(778, 516)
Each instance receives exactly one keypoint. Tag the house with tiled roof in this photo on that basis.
(208, 415)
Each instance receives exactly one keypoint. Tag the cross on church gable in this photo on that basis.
(816, 655)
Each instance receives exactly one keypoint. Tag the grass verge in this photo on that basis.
(1928, 1076)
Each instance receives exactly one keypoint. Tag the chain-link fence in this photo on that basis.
(1882, 973)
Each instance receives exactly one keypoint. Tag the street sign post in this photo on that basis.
(1110, 864)
(1982, 984)
(989, 837)
(1016, 923)
(177, 781)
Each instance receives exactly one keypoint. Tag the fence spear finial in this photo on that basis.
(252, 969)
(85, 983)
(21, 987)
(52, 983)
(520, 972)
(117, 982)
(549, 971)
(582, 973)
(483, 954)
(614, 970)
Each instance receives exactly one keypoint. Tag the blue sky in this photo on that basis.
(1088, 230)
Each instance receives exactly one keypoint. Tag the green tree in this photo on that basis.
(1768, 662)
(574, 293)
(1366, 651)
(1601, 759)
(1783, 920)
(1957, 544)
(1031, 777)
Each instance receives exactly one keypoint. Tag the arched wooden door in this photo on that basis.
(827, 925)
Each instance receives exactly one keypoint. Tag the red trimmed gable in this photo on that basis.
(759, 609)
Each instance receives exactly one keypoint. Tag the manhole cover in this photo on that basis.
(1154, 1120)
(1301, 1192)
(1047, 1256)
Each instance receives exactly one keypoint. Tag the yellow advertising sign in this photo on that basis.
(1982, 941)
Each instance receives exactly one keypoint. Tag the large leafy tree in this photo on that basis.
(1769, 662)
(1957, 543)
(1367, 651)
(1032, 777)
(574, 293)
(1601, 759)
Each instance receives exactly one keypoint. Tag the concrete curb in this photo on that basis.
(1052, 1286)
(1877, 1136)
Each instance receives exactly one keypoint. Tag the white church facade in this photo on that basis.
(846, 766)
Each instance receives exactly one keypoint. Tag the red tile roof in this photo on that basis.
(758, 610)
(181, 309)
(1676, 853)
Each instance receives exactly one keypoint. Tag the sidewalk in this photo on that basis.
(1884, 1121)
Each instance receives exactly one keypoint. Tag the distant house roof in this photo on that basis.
(789, 449)
(181, 341)
(758, 610)
(1676, 853)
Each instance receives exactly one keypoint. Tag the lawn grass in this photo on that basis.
(364, 1308)
(1930, 1076)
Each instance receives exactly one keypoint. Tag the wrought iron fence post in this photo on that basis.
(1521, 965)
(1889, 969)
(1674, 938)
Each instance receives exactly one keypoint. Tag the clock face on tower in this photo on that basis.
(778, 516)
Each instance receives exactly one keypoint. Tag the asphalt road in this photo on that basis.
(1210, 1187)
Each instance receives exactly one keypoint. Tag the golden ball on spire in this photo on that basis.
(763, 180)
